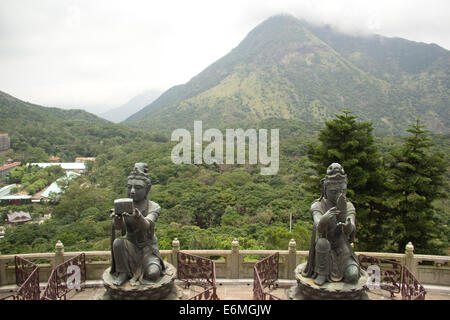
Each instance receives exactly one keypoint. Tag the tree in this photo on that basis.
(415, 179)
(81, 196)
(350, 143)
(232, 218)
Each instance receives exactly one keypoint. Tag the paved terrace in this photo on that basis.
(243, 290)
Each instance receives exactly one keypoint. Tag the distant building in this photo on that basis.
(78, 167)
(16, 199)
(6, 190)
(6, 168)
(80, 159)
(54, 159)
(53, 188)
(18, 218)
(4, 143)
(23, 198)
(45, 217)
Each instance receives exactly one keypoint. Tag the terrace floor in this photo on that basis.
(236, 290)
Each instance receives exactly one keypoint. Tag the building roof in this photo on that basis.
(16, 197)
(9, 166)
(19, 216)
(54, 186)
(81, 159)
(6, 190)
(64, 165)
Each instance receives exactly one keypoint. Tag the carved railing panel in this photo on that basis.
(57, 286)
(258, 289)
(391, 272)
(268, 270)
(23, 269)
(27, 279)
(411, 287)
(199, 271)
(265, 274)
(30, 290)
(270, 296)
(208, 294)
(51, 289)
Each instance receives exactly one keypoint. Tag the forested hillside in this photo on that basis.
(37, 132)
(287, 68)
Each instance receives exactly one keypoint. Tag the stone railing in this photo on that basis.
(230, 264)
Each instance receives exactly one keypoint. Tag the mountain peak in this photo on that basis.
(275, 23)
(272, 36)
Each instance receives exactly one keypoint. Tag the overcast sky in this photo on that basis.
(98, 54)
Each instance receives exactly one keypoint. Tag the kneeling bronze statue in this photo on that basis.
(331, 257)
(136, 257)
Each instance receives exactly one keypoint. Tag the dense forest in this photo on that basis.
(397, 183)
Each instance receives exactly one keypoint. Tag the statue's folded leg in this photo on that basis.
(351, 272)
(152, 268)
(121, 260)
(322, 265)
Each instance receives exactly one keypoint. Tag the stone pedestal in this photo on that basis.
(163, 289)
(306, 289)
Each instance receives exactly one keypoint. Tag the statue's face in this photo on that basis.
(137, 189)
(333, 191)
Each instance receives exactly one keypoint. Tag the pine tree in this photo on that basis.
(415, 179)
(350, 143)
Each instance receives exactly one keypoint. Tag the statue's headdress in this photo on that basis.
(335, 175)
(140, 172)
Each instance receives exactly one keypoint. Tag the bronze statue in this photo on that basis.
(136, 257)
(331, 257)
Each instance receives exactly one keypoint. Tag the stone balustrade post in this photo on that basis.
(235, 259)
(175, 250)
(409, 258)
(3, 273)
(59, 254)
(292, 259)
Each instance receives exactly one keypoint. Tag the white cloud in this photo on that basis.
(99, 54)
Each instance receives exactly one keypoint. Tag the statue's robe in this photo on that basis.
(341, 253)
(139, 249)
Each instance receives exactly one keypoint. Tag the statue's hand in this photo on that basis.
(136, 214)
(114, 215)
(117, 219)
(346, 227)
(332, 212)
(322, 226)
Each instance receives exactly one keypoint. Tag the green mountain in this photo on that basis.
(37, 132)
(18, 112)
(286, 68)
